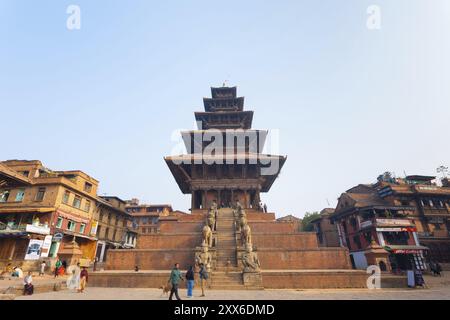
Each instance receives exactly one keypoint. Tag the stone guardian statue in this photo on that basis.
(250, 260)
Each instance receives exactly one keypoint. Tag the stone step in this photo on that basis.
(228, 287)
(225, 275)
(222, 266)
(226, 253)
(227, 243)
(224, 262)
(227, 269)
(224, 256)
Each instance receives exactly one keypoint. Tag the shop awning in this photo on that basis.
(73, 234)
(12, 233)
(26, 210)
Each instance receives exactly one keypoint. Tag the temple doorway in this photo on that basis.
(225, 198)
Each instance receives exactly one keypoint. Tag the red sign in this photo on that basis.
(407, 251)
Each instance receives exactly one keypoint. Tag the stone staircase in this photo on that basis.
(226, 275)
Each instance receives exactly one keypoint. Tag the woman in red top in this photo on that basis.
(83, 279)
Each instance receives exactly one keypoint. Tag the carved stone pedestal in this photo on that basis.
(252, 279)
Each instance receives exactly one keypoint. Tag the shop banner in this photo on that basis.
(94, 227)
(46, 246)
(34, 249)
(407, 229)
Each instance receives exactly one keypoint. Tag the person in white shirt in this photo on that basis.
(42, 270)
(28, 285)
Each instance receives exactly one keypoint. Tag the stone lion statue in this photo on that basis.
(246, 235)
(211, 221)
(207, 236)
(242, 221)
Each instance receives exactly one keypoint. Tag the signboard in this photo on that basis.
(94, 227)
(46, 246)
(34, 249)
(37, 229)
(394, 222)
(57, 237)
(85, 262)
(408, 229)
(366, 224)
(407, 251)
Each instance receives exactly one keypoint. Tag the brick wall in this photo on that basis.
(270, 226)
(180, 227)
(304, 240)
(169, 241)
(329, 258)
(148, 259)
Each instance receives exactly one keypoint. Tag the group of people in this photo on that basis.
(60, 267)
(78, 278)
(176, 277)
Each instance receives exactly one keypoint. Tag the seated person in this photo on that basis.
(17, 272)
(28, 285)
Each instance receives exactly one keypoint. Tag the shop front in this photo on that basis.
(24, 245)
(403, 258)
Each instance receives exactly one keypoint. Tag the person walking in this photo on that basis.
(73, 281)
(42, 269)
(83, 280)
(190, 278)
(203, 273)
(58, 265)
(175, 277)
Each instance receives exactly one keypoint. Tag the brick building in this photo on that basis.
(292, 219)
(146, 216)
(43, 211)
(395, 222)
(326, 231)
(115, 229)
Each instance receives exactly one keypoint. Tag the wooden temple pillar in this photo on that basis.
(204, 205)
(193, 202)
(246, 200)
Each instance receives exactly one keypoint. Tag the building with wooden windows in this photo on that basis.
(43, 212)
(115, 229)
(147, 216)
(397, 223)
(326, 231)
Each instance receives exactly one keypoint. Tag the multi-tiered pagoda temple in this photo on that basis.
(287, 258)
(225, 160)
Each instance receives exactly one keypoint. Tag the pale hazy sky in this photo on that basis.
(350, 103)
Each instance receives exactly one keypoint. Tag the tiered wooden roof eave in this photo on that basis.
(246, 119)
(175, 164)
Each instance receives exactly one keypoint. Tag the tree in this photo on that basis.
(306, 222)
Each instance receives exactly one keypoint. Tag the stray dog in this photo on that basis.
(166, 289)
